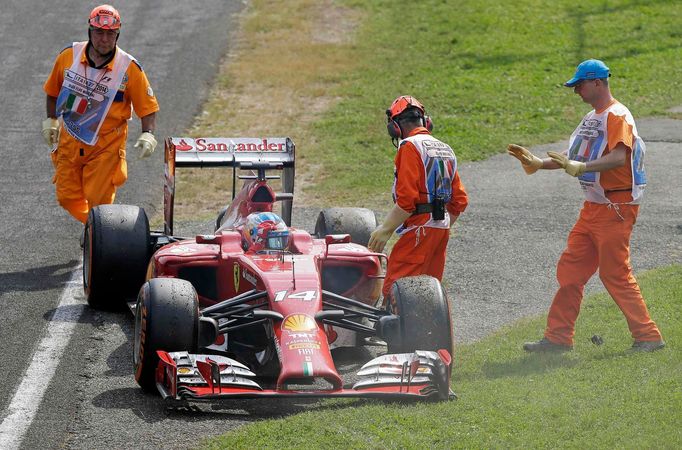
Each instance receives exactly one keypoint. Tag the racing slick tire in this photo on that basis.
(424, 311)
(115, 255)
(166, 318)
(358, 222)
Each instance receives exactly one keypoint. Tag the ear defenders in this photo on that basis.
(396, 132)
(393, 127)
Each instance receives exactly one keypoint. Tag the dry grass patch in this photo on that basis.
(285, 63)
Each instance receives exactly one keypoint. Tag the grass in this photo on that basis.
(593, 397)
(489, 73)
(276, 82)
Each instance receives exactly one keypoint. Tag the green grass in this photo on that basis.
(489, 73)
(593, 397)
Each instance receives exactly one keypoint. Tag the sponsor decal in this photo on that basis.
(180, 249)
(184, 370)
(202, 146)
(302, 345)
(299, 322)
(264, 146)
(235, 276)
(183, 146)
(150, 92)
(248, 276)
(302, 335)
(228, 146)
(351, 248)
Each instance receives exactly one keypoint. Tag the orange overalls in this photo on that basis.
(87, 175)
(600, 240)
(420, 250)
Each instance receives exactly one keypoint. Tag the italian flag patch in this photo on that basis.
(76, 104)
(308, 369)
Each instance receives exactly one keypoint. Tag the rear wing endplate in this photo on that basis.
(278, 152)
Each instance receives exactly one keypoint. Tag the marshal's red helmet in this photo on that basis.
(401, 104)
(105, 17)
(408, 107)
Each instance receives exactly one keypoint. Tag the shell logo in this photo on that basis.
(299, 322)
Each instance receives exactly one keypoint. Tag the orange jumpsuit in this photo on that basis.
(600, 240)
(88, 175)
(421, 249)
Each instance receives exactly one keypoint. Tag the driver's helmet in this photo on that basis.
(265, 231)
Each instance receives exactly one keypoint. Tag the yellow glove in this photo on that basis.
(573, 168)
(379, 238)
(51, 131)
(147, 144)
(529, 161)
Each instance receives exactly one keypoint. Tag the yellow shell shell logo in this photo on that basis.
(299, 322)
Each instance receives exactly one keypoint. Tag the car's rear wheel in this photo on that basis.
(166, 318)
(424, 312)
(358, 222)
(115, 254)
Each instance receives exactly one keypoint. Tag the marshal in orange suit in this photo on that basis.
(606, 155)
(428, 194)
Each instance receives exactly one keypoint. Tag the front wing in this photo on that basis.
(420, 375)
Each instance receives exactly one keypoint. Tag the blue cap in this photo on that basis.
(590, 69)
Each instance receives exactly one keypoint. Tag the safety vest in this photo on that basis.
(589, 141)
(439, 164)
(87, 94)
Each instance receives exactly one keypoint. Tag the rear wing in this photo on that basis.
(246, 153)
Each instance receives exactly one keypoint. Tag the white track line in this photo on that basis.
(29, 395)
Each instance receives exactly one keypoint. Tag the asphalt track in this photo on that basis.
(180, 45)
(500, 265)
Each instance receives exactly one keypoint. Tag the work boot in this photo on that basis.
(545, 345)
(647, 346)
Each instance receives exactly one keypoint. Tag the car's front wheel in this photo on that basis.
(166, 318)
(424, 312)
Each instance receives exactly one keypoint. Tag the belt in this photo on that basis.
(618, 190)
(422, 208)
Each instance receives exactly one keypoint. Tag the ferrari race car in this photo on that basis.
(216, 318)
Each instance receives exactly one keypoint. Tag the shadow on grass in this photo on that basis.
(527, 365)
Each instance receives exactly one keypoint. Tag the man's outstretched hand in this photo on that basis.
(573, 168)
(529, 161)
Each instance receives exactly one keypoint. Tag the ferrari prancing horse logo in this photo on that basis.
(235, 276)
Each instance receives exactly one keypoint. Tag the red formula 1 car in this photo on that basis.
(215, 318)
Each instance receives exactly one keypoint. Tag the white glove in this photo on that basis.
(51, 131)
(147, 144)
